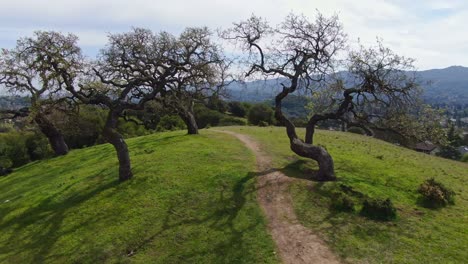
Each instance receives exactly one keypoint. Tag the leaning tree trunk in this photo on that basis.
(306, 149)
(190, 122)
(326, 170)
(115, 138)
(55, 137)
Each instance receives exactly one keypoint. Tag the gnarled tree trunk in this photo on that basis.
(189, 119)
(55, 137)
(115, 138)
(306, 149)
(326, 170)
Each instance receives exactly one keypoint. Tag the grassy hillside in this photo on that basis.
(376, 169)
(192, 201)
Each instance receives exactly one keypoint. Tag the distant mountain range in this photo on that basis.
(449, 85)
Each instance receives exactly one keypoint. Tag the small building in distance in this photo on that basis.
(426, 147)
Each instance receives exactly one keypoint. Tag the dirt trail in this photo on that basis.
(295, 243)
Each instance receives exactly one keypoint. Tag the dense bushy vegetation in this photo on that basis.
(261, 114)
(435, 194)
(379, 209)
(19, 148)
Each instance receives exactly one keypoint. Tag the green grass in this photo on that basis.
(192, 200)
(380, 170)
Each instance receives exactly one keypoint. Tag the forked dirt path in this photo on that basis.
(295, 243)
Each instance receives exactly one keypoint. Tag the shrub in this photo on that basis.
(205, 116)
(342, 202)
(5, 171)
(378, 209)
(170, 123)
(260, 113)
(237, 109)
(232, 121)
(464, 158)
(356, 130)
(84, 128)
(38, 147)
(449, 152)
(19, 148)
(262, 124)
(435, 194)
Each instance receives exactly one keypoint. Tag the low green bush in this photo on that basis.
(464, 158)
(435, 194)
(260, 113)
(378, 209)
(356, 130)
(170, 123)
(19, 148)
(262, 124)
(232, 121)
(206, 116)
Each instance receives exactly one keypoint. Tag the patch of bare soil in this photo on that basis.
(295, 243)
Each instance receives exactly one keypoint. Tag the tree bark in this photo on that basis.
(116, 139)
(55, 137)
(189, 119)
(326, 170)
(306, 149)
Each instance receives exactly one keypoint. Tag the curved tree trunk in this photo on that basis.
(189, 120)
(306, 149)
(55, 137)
(326, 170)
(115, 138)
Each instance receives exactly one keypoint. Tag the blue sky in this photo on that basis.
(431, 31)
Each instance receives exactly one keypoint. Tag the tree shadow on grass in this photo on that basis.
(223, 218)
(49, 214)
(36, 231)
(301, 169)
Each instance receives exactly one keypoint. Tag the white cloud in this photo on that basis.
(432, 31)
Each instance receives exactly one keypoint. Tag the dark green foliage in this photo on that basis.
(19, 148)
(206, 116)
(259, 113)
(453, 137)
(5, 171)
(263, 124)
(217, 104)
(378, 209)
(171, 123)
(232, 121)
(4, 128)
(131, 129)
(435, 194)
(342, 202)
(237, 109)
(299, 121)
(37, 146)
(464, 158)
(449, 152)
(356, 130)
(84, 128)
(465, 139)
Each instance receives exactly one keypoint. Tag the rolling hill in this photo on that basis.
(193, 200)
